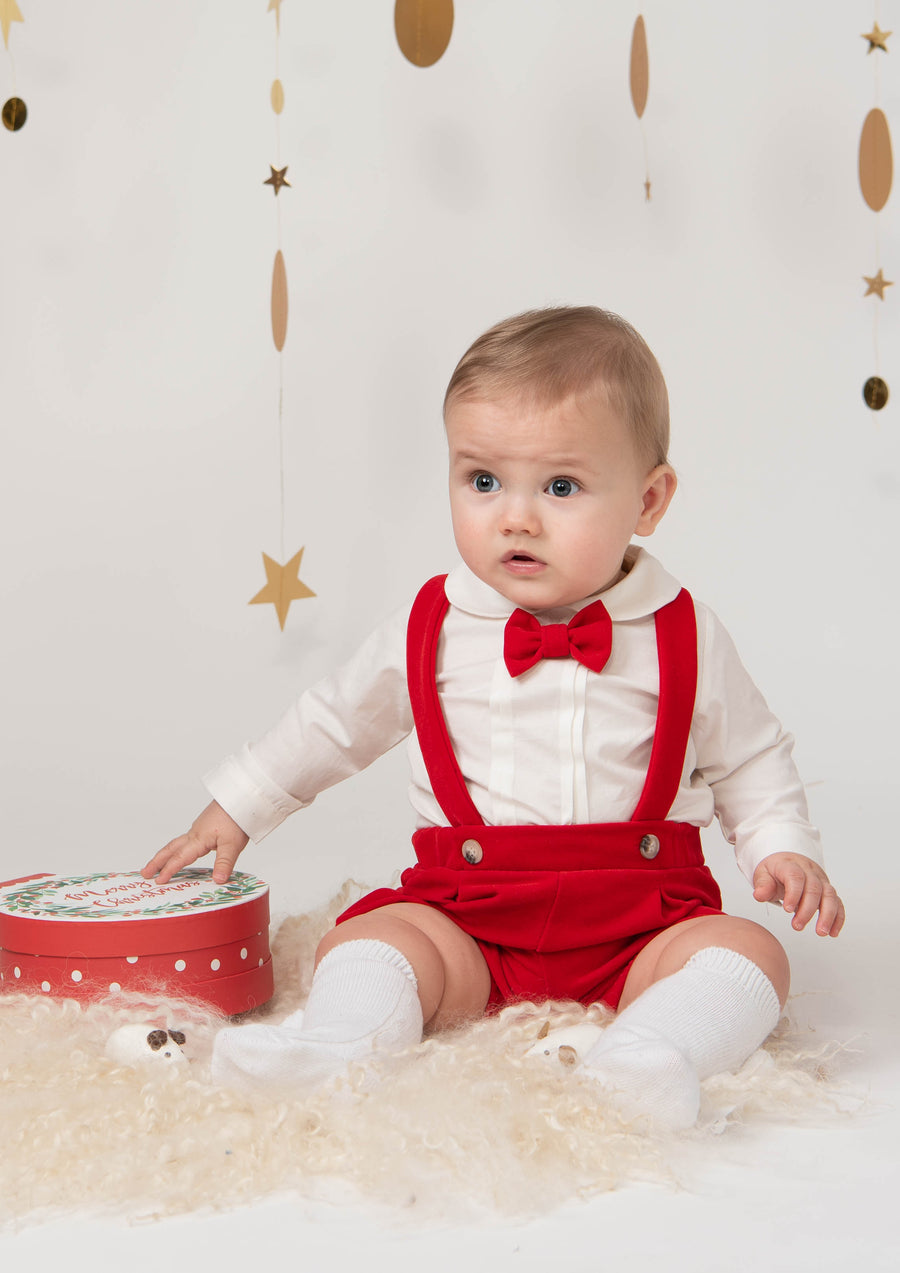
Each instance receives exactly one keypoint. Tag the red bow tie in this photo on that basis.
(587, 638)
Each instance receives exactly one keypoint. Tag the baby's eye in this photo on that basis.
(485, 482)
(563, 486)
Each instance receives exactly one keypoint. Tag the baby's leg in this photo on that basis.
(700, 998)
(380, 978)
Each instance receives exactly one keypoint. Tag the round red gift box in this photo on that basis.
(89, 936)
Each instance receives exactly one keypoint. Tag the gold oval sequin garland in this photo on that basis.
(283, 583)
(876, 175)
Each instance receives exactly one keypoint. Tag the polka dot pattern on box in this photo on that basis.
(90, 936)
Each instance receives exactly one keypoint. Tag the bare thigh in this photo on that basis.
(671, 950)
(453, 979)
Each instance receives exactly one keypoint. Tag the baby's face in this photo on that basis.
(545, 500)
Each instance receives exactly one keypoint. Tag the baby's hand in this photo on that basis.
(803, 888)
(213, 832)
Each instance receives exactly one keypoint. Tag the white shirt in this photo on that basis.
(557, 745)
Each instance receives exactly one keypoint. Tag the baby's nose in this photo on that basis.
(520, 515)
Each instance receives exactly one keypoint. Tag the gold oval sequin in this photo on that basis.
(279, 301)
(876, 163)
(277, 96)
(640, 67)
(14, 113)
(875, 393)
(423, 29)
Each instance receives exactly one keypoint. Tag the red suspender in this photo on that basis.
(676, 649)
(676, 643)
(425, 620)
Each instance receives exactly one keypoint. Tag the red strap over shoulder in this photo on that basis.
(447, 783)
(676, 640)
(676, 643)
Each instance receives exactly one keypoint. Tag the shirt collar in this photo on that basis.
(643, 590)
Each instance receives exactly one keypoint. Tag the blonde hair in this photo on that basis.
(547, 355)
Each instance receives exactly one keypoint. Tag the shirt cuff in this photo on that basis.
(779, 837)
(256, 803)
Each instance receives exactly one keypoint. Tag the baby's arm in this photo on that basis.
(212, 832)
(803, 888)
(334, 730)
(745, 756)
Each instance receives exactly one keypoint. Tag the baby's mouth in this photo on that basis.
(521, 560)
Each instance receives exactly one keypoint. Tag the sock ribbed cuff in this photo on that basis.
(740, 971)
(360, 985)
(368, 950)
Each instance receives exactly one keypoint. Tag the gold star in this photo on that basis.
(877, 285)
(276, 5)
(277, 179)
(283, 586)
(877, 39)
(9, 13)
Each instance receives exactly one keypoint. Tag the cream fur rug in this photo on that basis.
(462, 1124)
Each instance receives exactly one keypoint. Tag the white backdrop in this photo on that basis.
(139, 480)
(139, 382)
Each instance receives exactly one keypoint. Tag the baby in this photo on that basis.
(574, 718)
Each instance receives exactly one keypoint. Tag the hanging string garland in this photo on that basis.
(283, 583)
(639, 76)
(423, 29)
(14, 111)
(876, 172)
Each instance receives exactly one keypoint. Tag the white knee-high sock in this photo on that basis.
(707, 1017)
(363, 999)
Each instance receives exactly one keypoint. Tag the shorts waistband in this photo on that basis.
(649, 846)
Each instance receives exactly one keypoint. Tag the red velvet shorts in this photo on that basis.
(558, 912)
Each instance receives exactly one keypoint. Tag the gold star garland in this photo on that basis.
(9, 13)
(639, 76)
(877, 38)
(284, 586)
(283, 583)
(14, 112)
(875, 180)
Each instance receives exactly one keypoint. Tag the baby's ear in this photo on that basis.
(659, 487)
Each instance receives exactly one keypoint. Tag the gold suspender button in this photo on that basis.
(472, 851)
(649, 846)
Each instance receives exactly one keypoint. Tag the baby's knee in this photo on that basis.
(742, 935)
(758, 945)
(360, 928)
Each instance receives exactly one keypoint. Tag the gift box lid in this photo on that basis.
(113, 913)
